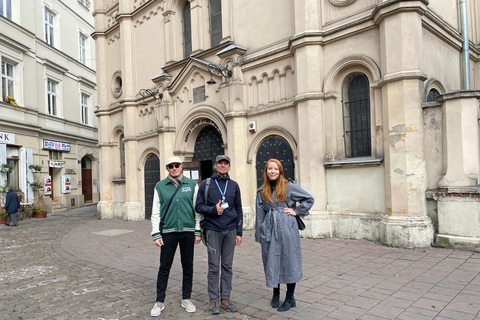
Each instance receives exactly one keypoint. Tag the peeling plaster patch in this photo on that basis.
(399, 171)
(395, 138)
(410, 129)
(398, 128)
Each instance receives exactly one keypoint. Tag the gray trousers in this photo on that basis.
(12, 219)
(221, 247)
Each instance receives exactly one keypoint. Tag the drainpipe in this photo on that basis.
(465, 48)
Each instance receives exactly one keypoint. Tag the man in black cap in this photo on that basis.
(223, 224)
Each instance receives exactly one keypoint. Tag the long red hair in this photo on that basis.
(280, 188)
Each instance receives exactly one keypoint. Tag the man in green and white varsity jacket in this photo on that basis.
(175, 223)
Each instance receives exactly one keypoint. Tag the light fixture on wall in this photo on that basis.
(224, 72)
(149, 93)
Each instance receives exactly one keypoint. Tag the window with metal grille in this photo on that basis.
(6, 8)
(187, 30)
(49, 28)
(215, 22)
(8, 81)
(356, 116)
(52, 97)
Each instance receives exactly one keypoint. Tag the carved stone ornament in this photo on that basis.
(341, 3)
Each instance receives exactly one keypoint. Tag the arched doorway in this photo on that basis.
(208, 146)
(87, 179)
(151, 177)
(278, 148)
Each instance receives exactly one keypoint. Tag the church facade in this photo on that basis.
(371, 106)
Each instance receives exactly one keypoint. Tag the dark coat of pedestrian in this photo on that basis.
(12, 204)
(276, 229)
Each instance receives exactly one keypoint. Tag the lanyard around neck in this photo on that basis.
(224, 191)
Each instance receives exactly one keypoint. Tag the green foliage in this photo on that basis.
(3, 213)
(6, 168)
(35, 167)
(3, 188)
(36, 185)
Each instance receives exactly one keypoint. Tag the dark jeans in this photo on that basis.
(186, 240)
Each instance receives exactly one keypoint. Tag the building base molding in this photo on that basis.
(317, 225)
(406, 232)
(133, 211)
(248, 218)
(458, 243)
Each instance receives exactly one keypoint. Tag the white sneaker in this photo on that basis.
(188, 305)
(157, 309)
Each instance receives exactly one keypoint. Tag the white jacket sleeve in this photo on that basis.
(155, 218)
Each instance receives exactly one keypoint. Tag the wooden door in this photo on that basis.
(87, 184)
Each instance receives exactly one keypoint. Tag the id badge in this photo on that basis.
(224, 205)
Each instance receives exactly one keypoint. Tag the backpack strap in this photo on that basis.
(207, 186)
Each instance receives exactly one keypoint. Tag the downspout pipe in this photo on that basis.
(465, 47)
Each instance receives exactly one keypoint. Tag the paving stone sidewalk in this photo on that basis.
(74, 266)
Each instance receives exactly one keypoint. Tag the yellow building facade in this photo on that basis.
(364, 102)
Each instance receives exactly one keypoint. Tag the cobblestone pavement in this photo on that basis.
(74, 266)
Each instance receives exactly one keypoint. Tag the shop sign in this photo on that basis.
(56, 145)
(6, 137)
(56, 164)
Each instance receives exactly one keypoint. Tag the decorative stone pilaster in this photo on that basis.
(458, 195)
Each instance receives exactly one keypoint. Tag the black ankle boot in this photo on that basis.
(288, 303)
(275, 300)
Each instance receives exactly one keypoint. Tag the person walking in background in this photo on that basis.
(276, 229)
(12, 203)
(223, 230)
(175, 223)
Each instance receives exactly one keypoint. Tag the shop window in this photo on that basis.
(12, 176)
(55, 155)
(356, 116)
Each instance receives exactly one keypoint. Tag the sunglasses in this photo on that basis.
(176, 165)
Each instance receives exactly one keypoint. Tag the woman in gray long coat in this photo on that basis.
(276, 229)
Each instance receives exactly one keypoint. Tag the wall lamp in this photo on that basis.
(149, 93)
(224, 72)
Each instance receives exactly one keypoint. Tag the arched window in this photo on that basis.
(215, 22)
(356, 116)
(187, 30)
(432, 94)
(121, 145)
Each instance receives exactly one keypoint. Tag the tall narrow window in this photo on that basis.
(52, 97)
(356, 116)
(84, 109)
(187, 30)
(7, 81)
(215, 22)
(6, 8)
(122, 156)
(82, 47)
(49, 28)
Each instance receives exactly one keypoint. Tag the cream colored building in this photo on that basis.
(48, 68)
(369, 104)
